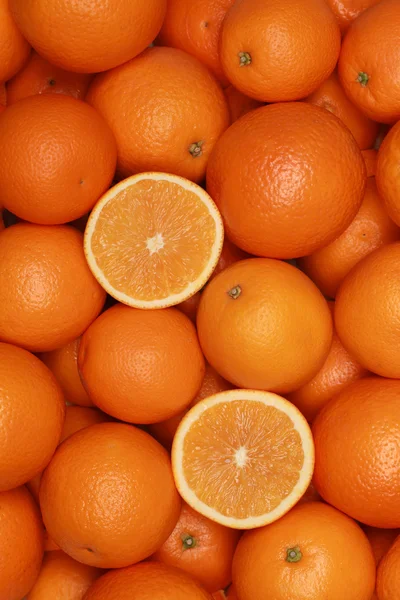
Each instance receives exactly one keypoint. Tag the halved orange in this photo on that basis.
(243, 458)
(153, 240)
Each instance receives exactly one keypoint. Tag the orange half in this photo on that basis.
(243, 458)
(153, 240)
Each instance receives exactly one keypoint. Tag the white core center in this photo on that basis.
(155, 243)
(241, 456)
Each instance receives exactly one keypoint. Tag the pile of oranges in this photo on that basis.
(200, 300)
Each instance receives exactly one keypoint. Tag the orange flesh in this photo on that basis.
(152, 239)
(236, 482)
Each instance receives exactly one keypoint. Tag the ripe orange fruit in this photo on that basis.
(141, 366)
(14, 49)
(307, 548)
(62, 577)
(263, 324)
(346, 11)
(232, 595)
(279, 51)
(189, 307)
(147, 581)
(239, 104)
(166, 111)
(371, 228)
(370, 158)
(202, 548)
(21, 543)
(368, 65)
(28, 391)
(357, 456)
(387, 172)
(367, 311)
(164, 233)
(54, 142)
(3, 96)
(310, 495)
(388, 576)
(40, 77)
(88, 38)
(48, 295)
(243, 458)
(380, 540)
(108, 497)
(305, 168)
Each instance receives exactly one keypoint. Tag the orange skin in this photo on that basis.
(387, 172)
(368, 64)
(263, 45)
(321, 540)
(169, 88)
(330, 95)
(367, 323)
(81, 162)
(346, 11)
(21, 543)
(14, 49)
(40, 77)
(202, 548)
(316, 181)
(388, 576)
(62, 297)
(232, 595)
(102, 525)
(189, 307)
(357, 452)
(311, 495)
(83, 39)
(370, 158)
(239, 104)
(262, 324)
(3, 95)
(380, 540)
(370, 229)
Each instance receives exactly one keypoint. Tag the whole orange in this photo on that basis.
(54, 146)
(387, 172)
(14, 49)
(21, 543)
(48, 296)
(346, 11)
(88, 37)
(280, 50)
(281, 165)
(380, 540)
(388, 576)
(263, 324)
(166, 111)
(357, 452)
(314, 552)
(239, 104)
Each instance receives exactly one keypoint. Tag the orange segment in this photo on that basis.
(243, 458)
(153, 240)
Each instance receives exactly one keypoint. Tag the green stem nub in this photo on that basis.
(244, 59)
(195, 149)
(293, 555)
(235, 292)
(363, 78)
(188, 541)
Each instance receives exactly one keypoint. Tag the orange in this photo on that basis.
(313, 553)
(166, 111)
(263, 324)
(380, 540)
(310, 495)
(370, 158)
(388, 576)
(14, 49)
(147, 581)
(330, 95)
(281, 50)
(371, 228)
(54, 144)
(48, 296)
(232, 595)
(243, 458)
(387, 172)
(89, 37)
(195, 28)
(3, 95)
(40, 77)
(357, 455)
(141, 366)
(202, 548)
(21, 543)
(108, 497)
(239, 104)
(346, 11)
(63, 362)
(31, 416)
(188, 307)
(49, 544)
(62, 577)
(367, 311)
(283, 164)
(368, 65)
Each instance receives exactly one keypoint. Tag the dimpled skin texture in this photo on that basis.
(14, 49)
(81, 36)
(388, 575)
(48, 295)
(294, 46)
(371, 47)
(287, 178)
(158, 105)
(387, 172)
(275, 336)
(147, 581)
(21, 543)
(141, 366)
(336, 563)
(367, 311)
(27, 389)
(346, 11)
(108, 497)
(357, 449)
(58, 157)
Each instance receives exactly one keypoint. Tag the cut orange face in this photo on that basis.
(153, 240)
(243, 458)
